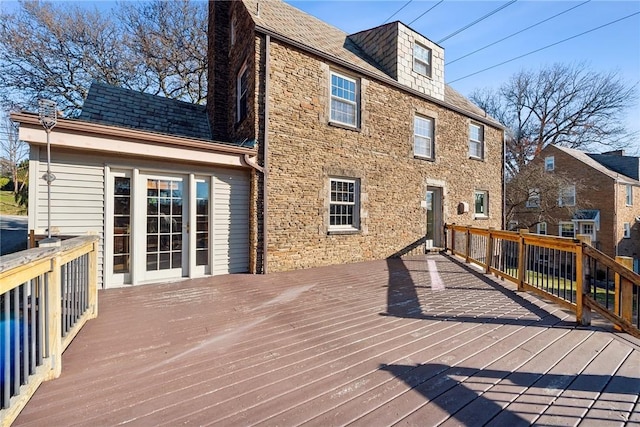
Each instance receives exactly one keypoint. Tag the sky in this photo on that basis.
(613, 47)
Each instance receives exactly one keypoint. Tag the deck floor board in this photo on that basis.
(364, 344)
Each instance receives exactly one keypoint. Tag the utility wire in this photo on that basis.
(397, 11)
(477, 20)
(424, 13)
(516, 33)
(546, 47)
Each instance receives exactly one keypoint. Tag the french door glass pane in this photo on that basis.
(202, 222)
(164, 224)
(121, 224)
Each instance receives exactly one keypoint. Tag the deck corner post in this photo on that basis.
(489, 256)
(467, 249)
(453, 239)
(521, 258)
(623, 293)
(583, 311)
(93, 281)
(54, 315)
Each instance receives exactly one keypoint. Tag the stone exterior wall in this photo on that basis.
(305, 150)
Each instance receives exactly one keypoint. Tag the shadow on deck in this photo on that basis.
(424, 340)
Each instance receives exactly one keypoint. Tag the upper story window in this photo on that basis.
(423, 137)
(476, 141)
(541, 228)
(567, 196)
(422, 60)
(344, 204)
(629, 198)
(481, 204)
(626, 230)
(344, 100)
(242, 93)
(567, 229)
(534, 198)
(549, 163)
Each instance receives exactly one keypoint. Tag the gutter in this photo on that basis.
(270, 33)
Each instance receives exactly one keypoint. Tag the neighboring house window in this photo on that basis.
(567, 229)
(629, 195)
(476, 140)
(423, 137)
(481, 204)
(344, 100)
(541, 228)
(421, 60)
(549, 163)
(567, 196)
(627, 230)
(233, 29)
(344, 204)
(589, 229)
(242, 93)
(534, 198)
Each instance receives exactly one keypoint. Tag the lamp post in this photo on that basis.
(48, 119)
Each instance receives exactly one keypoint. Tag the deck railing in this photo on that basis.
(568, 271)
(46, 295)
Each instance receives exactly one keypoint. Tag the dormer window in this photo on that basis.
(422, 60)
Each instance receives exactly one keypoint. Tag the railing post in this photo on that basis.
(623, 299)
(489, 256)
(54, 314)
(583, 312)
(453, 239)
(93, 281)
(522, 265)
(467, 250)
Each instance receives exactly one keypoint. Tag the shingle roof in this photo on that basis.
(626, 165)
(278, 17)
(586, 159)
(115, 106)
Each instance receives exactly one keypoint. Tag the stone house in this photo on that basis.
(364, 148)
(604, 199)
(315, 148)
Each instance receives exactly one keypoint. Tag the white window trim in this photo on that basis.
(430, 139)
(561, 223)
(475, 141)
(239, 92)
(356, 205)
(485, 204)
(626, 230)
(539, 228)
(426, 64)
(534, 198)
(629, 195)
(572, 189)
(233, 28)
(549, 163)
(355, 103)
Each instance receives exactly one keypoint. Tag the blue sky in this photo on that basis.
(615, 47)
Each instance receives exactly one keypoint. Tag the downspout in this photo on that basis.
(504, 180)
(265, 163)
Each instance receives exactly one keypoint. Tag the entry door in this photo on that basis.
(434, 217)
(166, 227)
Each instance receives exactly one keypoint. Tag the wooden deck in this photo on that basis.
(420, 341)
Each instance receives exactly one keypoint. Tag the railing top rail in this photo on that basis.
(603, 259)
(552, 242)
(10, 263)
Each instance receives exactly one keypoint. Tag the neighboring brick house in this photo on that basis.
(604, 199)
(365, 148)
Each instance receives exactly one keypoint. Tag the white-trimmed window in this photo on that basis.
(567, 196)
(626, 230)
(423, 137)
(534, 198)
(421, 60)
(242, 93)
(476, 141)
(541, 228)
(549, 163)
(629, 194)
(481, 204)
(566, 229)
(344, 201)
(344, 100)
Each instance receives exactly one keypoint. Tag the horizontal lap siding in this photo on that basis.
(231, 222)
(77, 198)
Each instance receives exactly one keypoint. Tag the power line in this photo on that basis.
(477, 20)
(545, 47)
(397, 11)
(516, 33)
(424, 13)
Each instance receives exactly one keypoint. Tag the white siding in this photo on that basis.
(230, 222)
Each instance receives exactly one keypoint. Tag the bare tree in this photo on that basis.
(13, 154)
(567, 105)
(55, 50)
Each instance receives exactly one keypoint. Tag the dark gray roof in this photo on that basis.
(625, 165)
(589, 161)
(586, 214)
(115, 106)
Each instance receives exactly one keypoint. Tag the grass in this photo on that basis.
(8, 205)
